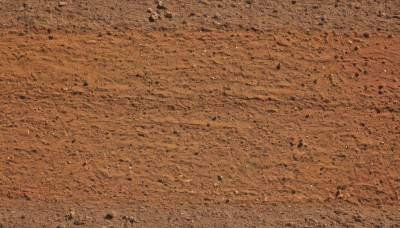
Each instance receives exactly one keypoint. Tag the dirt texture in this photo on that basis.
(199, 113)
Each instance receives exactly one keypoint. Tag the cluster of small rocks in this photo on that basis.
(156, 15)
(79, 220)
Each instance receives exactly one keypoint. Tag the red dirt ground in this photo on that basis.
(232, 113)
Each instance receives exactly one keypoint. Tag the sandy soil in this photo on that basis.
(230, 113)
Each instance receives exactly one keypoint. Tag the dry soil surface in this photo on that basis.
(217, 113)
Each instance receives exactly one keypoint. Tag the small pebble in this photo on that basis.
(110, 215)
(62, 3)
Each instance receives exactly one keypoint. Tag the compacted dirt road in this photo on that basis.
(210, 113)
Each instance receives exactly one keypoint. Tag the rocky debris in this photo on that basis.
(291, 142)
(168, 15)
(381, 14)
(300, 144)
(110, 215)
(358, 218)
(154, 17)
(77, 219)
(130, 219)
(220, 177)
(70, 215)
(161, 5)
(313, 222)
(61, 4)
(282, 43)
(216, 16)
(339, 194)
(204, 29)
(278, 67)
(380, 89)
(205, 2)
(254, 29)
(78, 222)
(91, 41)
(27, 7)
(356, 5)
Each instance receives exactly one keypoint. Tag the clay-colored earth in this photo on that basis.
(230, 113)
